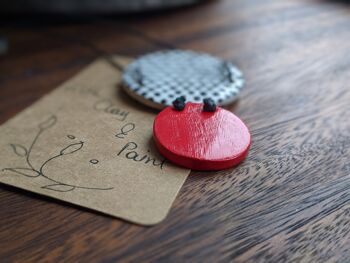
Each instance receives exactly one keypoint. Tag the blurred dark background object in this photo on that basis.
(3, 45)
(89, 6)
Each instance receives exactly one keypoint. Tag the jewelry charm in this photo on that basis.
(156, 79)
(201, 136)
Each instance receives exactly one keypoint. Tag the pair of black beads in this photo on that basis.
(180, 103)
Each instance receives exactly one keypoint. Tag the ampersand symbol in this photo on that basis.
(125, 130)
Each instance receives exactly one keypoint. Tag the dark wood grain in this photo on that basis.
(288, 202)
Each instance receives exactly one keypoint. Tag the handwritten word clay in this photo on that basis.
(107, 106)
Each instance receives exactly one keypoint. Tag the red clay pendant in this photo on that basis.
(213, 139)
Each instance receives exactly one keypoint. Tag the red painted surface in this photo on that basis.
(201, 140)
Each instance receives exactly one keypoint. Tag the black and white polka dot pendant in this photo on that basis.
(156, 79)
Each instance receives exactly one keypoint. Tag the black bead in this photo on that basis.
(183, 98)
(209, 105)
(179, 103)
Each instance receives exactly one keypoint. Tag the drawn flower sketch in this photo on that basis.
(32, 172)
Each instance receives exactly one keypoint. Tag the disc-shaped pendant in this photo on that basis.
(201, 140)
(156, 79)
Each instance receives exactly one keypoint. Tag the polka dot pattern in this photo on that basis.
(160, 77)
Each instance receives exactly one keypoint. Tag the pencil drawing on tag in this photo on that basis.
(33, 172)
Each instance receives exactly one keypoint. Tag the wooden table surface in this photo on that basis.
(288, 202)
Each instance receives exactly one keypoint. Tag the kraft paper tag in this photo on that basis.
(89, 144)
